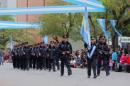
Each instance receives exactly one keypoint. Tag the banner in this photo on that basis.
(85, 30)
(48, 9)
(92, 52)
(45, 39)
(18, 25)
(124, 39)
(82, 30)
(93, 3)
(102, 23)
(113, 23)
(83, 6)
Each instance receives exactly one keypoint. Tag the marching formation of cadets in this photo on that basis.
(47, 56)
(43, 56)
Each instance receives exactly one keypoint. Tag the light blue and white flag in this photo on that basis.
(48, 9)
(45, 39)
(85, 30)
(93, 3)
(18, 25)
(92, 52)
(82, 31)
(102, 23)
(113, 23)
(82, 28)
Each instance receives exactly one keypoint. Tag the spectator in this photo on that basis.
(83, 60)
(128, 59)
(123, 59)
(78, 58)
(114, 58)
(1, 57)
(111, 64)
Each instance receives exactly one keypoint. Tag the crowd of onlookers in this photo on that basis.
(78, 59)
(4, 57)
(120, 55)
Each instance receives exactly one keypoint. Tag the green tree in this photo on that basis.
(118, 10)
(6, 18)
(59, 24)
(55, 2)
(18, 35)
(4, 39)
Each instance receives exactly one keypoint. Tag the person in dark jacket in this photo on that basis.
(93, 59)
(57, 56)
(14, 57)
(65, 51)
(103, 55)
(52, 56)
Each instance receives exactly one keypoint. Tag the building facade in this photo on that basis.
(11, 3)
(30, 18)
(3, 3)
(29, 3)
(7, 3)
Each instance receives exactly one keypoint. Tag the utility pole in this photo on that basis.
(27, 14)
(44, 2)
(27, 4)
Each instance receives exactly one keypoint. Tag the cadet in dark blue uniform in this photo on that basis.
(46, 50)
(92, 60)
(31, 57)
(13, 55)
(23, 58)
(57, 55)
(44, 53)
(103, 55)
(65, 51)
(19, 57)
(33, 51)
(40, 58)
(27, 56)
(37, 52)
(52, 56)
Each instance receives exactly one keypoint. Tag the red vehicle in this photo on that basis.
(123, 64)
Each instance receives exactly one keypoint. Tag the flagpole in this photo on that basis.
(27, 16)
(95, 34)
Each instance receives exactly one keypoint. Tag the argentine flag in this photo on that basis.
(85, 30)
(113, 23)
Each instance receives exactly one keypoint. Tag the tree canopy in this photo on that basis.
(58, 24)
(18, 35)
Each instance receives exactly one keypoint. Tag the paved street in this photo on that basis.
(11, 77)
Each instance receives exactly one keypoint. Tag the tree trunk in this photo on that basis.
(114, 40)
